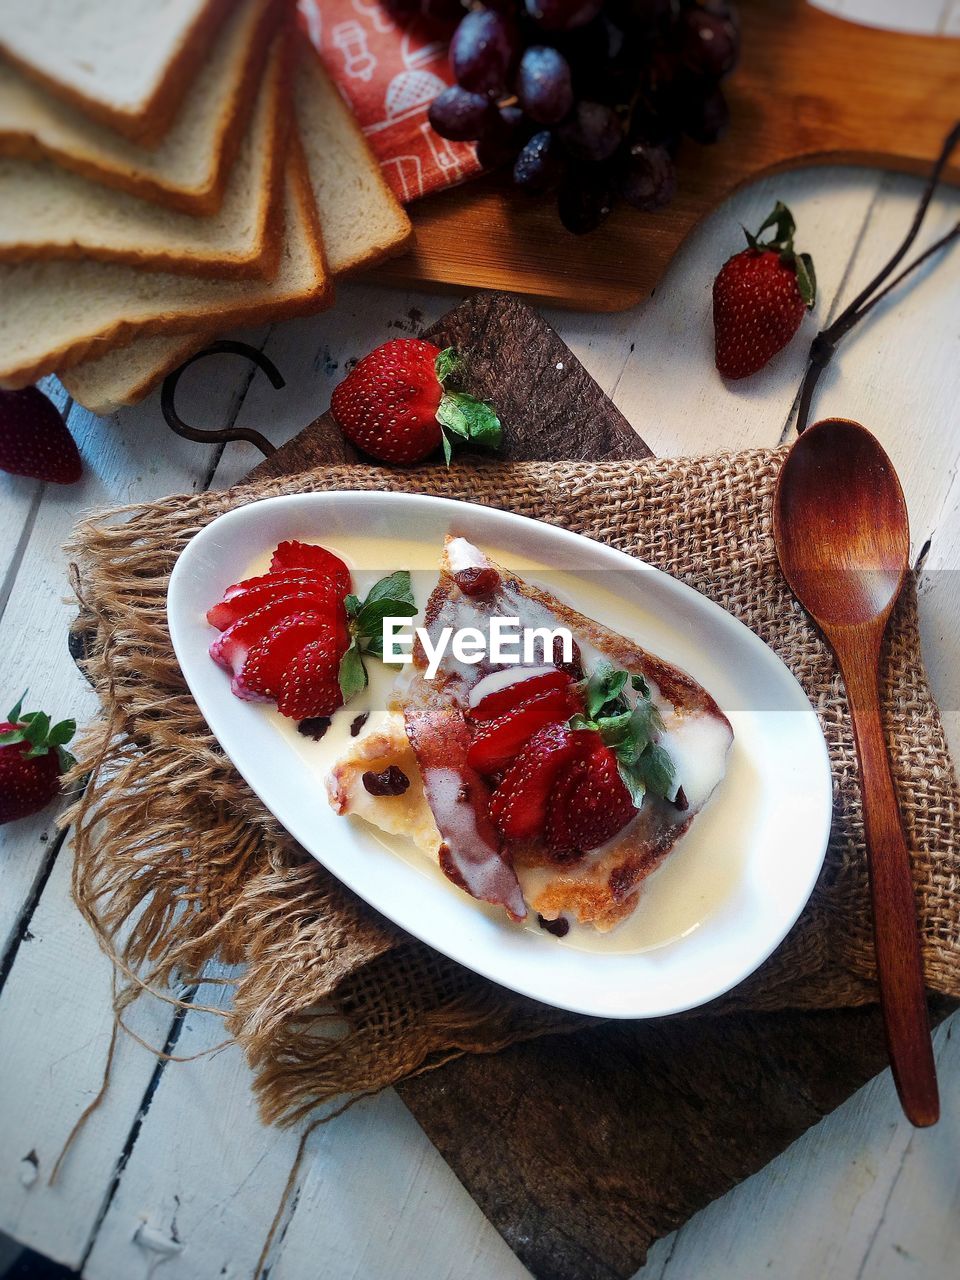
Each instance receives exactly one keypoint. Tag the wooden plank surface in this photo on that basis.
(840, 1199)
(811, 88)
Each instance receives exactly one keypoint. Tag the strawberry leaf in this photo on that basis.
(446, 363)
(630, 731)
(658, 770)
(782, 220)
(447, 448)
(10, 736)
(14, 715)
(66, 760)
(352, 605)
(579, 721)
(61, 733)
(352, 674)
(468, 419)
(632, 778)
(604, 684)
(806, 279)
(38, 726)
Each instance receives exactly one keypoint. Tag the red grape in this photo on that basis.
(592, 133)
(539, 164)
(710, 43)
(562, 15)
(461, 116)
(585, 200)
(502, 141)
(543, 84)
(481, 51)
(705, 114)
(649, 180)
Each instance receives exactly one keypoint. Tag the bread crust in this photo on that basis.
(207, 196)
(122, 332)
(401, 242)
(148, 122)
(262, 257)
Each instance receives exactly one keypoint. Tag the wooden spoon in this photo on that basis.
(841, 532)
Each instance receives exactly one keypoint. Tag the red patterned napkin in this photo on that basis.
(389, 71)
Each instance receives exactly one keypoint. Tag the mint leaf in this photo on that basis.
(371, 616)
(353, 674)
(604, 684)
(395, 586)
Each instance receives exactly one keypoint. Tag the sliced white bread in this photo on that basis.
(362, 220)
(362, 223)
(56, 314)
(188, 170)
(48, 212)
(125, 63)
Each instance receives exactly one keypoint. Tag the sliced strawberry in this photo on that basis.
(498, 741)
(519, 805)
(306, 555)
(589, 804)
(503, 700)
(231, 647)
(311, 683)
(261, 675)
(243, 597)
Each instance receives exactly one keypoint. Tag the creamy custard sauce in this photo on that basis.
(698, 876)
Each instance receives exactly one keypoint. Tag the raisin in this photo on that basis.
(559, 927)
(476, 580)
(358, 723)
(315, 727)
(391, 782)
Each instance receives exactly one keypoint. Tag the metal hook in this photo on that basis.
(176, 423)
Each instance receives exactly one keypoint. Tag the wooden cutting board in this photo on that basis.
(582, 1150)
(810, 89)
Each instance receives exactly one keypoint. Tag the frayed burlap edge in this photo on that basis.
(178, 866)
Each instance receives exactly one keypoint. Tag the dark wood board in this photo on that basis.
(582, 1150)
(811, 88)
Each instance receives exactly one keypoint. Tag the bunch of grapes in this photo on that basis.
(587, 98)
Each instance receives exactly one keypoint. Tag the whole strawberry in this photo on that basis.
(34, 440)
(32, 757)
(394, 407)
(760, 296)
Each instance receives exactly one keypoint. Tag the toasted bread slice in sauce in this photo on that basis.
(427, 731)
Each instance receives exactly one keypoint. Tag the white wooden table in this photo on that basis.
(174, 1170)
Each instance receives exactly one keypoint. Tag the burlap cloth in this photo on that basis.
(178, 865)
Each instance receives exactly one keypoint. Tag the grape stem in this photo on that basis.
(825, 343)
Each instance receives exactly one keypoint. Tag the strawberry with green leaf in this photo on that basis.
(760, 297)
(395, 406)
(32, 757)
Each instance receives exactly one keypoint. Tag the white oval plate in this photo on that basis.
(724, 898)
